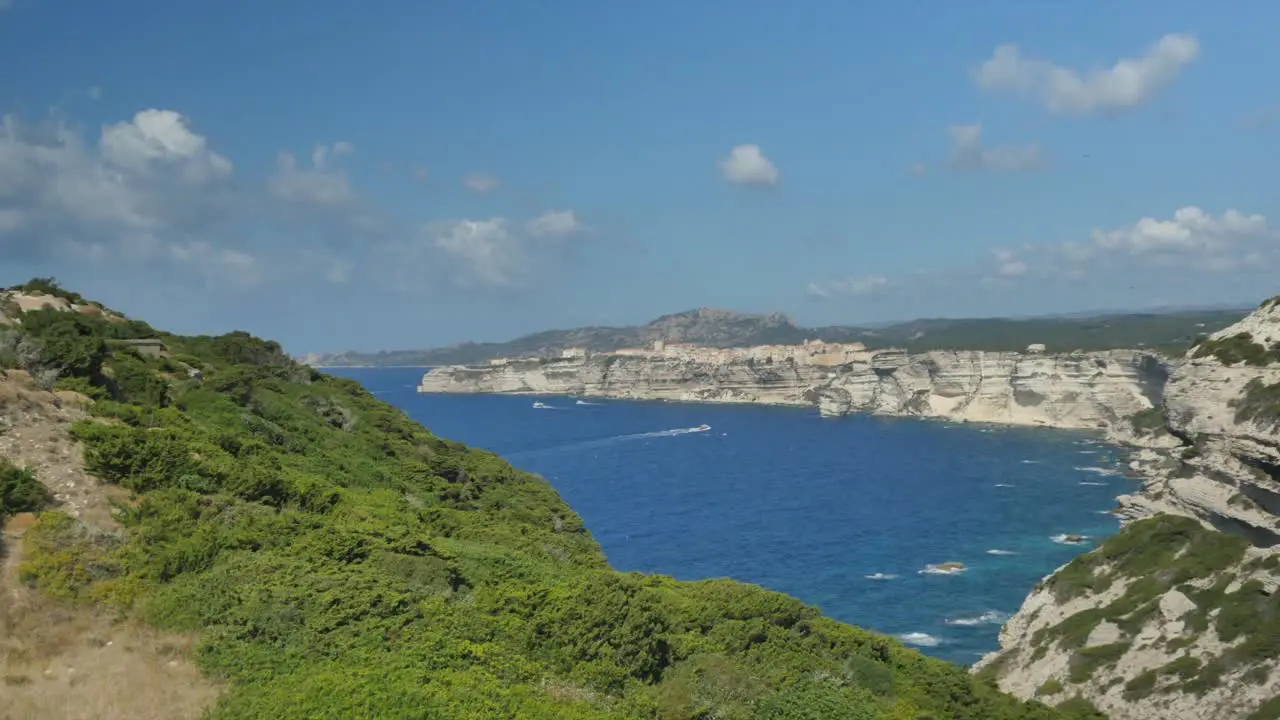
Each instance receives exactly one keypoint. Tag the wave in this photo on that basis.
(1090, 482)
(881, 576)
(544, 406)
(997, 551)
(990, 617)
(1030, 462)
(1070, 539)
(1098, 470)
(1002, 485)
(919, 639)
(943, 569)
(584, 402)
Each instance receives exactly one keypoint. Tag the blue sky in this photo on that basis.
(407, 174)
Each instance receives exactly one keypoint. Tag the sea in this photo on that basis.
(851, 515)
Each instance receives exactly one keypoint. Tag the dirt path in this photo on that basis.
(70, 663)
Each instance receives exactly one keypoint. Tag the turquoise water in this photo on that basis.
(843, 514)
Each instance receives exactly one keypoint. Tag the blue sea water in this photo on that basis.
(842, 514)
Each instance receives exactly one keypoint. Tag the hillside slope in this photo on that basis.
(1170, 332)
(338, 560)
(1178, 616)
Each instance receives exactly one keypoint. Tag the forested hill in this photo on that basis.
(1171, 332)
(337, 560)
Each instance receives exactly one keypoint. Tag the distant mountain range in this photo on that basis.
(1169, 331)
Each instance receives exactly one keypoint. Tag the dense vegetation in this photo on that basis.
(1151, 420)
(1170, 333)
(20, 491)
(340, 561)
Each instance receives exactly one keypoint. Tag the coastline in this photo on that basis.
(1199, 436)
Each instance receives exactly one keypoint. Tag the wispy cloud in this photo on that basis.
(969, 155)
(1127, 84)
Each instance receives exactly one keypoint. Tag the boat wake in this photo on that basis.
(604, 442)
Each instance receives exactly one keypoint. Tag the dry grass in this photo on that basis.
(34, 433)
(72, 663)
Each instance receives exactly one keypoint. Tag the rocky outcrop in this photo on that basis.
(1084, 390)
(1178, 616)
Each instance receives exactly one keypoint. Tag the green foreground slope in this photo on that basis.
(340, 561)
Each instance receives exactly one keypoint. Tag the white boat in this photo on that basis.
(702, 428)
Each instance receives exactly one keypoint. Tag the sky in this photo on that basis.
(416, 173)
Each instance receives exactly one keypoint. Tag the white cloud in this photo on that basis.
(495, 253)
(479, 182)
(323, 153)
(917, 169)
(1007, 265)
(1128, 83)
(859, 287)
(150, 189)
(553, 224)
(321, 184)
(1191, 238)
(968, 154)
(746, 165)
(158, 140)
(1190, 230)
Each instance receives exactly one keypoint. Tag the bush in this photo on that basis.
(1259, 403)
(20, 490)
(1149, 420)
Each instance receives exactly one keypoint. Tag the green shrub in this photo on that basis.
(1260, 402)
(50, 286)
(1052, 686)
(1238, 348)
(20, 490)
(1086, 661)
(1149, 420)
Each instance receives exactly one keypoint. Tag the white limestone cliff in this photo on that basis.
(1198, 634)
(1082, 390)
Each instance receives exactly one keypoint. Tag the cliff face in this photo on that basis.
(1072, 391)
(1179, 615)
(620, 376)
(1087, 390)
